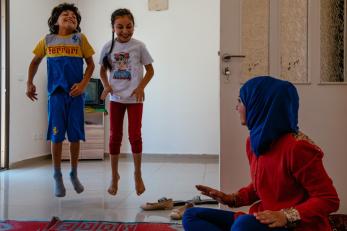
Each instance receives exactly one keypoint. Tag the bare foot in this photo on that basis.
(113, 186)
(139, 185)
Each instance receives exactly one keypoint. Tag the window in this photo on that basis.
(333, 40)
(275, 39)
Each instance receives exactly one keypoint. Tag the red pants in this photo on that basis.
(117, 111)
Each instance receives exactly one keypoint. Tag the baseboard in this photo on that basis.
(146, 157)
(175, 158)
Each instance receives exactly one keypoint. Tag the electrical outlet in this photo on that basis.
(38, 136)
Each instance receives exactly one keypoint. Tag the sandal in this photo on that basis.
(176, 214)
(162, 204)
(198, 201)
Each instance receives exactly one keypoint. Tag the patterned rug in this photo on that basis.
(57, 225)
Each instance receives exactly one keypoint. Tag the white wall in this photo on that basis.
(28, 120)
(181, 113)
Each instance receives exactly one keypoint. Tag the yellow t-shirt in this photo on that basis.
(65, 56)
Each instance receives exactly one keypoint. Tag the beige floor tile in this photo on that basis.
(26, 193)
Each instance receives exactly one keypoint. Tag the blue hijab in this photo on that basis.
(272, 107)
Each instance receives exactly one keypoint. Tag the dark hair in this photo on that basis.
(117, 13)
(53, 28)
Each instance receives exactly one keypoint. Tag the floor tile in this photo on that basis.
(26, 193)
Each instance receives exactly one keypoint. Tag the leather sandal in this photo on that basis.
(177, 214)
(198, 201)
(162, 204)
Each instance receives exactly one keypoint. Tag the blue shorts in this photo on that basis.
(65, 115)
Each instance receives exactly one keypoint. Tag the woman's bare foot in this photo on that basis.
(139, 185)
(113, 186)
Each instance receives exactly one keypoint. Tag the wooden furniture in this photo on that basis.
(338, 222)
(94, 146)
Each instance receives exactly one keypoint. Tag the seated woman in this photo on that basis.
(290, 187)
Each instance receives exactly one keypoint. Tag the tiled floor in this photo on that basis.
(26, 193)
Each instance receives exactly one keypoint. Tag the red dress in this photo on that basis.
(291, 174)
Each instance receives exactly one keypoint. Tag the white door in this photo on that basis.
(323, 106)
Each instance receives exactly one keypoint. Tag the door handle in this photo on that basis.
(227, 57)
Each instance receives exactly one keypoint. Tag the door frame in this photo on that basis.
(5, 86)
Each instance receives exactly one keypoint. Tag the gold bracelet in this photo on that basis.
(293, 217)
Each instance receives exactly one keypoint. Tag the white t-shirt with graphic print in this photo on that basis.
(127, 61)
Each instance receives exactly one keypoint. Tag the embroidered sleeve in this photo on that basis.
(246, 196)
(307, 167)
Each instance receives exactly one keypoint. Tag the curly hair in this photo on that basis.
(117, 13)
(53, 28)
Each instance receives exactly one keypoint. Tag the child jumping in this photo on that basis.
(65, 48)
(124, 58)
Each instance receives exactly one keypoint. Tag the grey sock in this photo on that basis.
(59, 188)
(75, 181)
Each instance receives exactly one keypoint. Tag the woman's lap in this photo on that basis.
(207, 219)
(219, 220)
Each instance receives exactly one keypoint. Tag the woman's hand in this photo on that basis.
(105, 92)
(227, 199)
(274, 219)
(139, 94)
